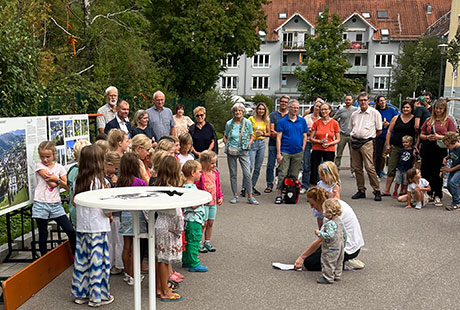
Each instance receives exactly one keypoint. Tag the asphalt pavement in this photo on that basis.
(410, 255)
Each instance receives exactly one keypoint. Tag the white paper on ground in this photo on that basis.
(282, 266)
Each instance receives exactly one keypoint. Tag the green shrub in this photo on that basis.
(265, 99)
(218, 109)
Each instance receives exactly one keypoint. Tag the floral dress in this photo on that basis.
(168, 236)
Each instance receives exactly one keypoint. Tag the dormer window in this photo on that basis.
(429, 9)
(385, 35)
(282, 15)
(382, 14)
(366, 15)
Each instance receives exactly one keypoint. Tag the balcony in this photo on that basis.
(289, 90)
(357, 48)
(290, 69)
(357, 70)
(293, 46)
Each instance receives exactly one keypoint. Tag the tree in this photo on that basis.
(191, 37)
(416, 69)
(326, 61)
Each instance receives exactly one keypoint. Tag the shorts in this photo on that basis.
(126, 224)
(46, 211)
(401, 177)
(426, 199)
(210, 212)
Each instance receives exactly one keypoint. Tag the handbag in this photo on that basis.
(439, 143)
(236, 151)
(358, 143)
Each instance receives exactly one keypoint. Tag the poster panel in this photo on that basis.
(19, 139)
(65, 130)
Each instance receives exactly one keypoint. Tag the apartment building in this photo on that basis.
(376, 31)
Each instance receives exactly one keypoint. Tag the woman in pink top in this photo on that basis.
(324, 136)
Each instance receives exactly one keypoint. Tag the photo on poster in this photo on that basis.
(69, 152)
(57, 132)
(77, 127)
(60, 156)
(68, 129)
(84, 127)
(13, 165)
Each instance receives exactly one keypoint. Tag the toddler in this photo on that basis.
(210, 182)
(453, 181)
(194, 220)
(406, 161)
(333, 237)
(330, 181)
(417, 189)
(51, 176)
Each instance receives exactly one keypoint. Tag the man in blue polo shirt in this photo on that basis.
(290, 144)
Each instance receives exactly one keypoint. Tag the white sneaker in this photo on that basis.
(115, 270)
(354, 264)
(131, 280)
(437, 202)
(352, 175)
(303, 191)
(418, 205)
(102, 303)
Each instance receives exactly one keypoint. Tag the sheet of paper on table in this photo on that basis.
(282, 266)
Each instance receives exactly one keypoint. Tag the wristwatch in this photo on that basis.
(58, 182)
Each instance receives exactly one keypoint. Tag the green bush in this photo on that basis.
(218, 108)
(265, 99)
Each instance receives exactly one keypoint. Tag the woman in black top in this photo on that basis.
(203, 133)
(403, 125)
(140, 125)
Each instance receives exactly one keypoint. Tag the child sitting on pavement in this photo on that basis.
(417, 189)
(406, 161)
(453, 182)
(333, 237)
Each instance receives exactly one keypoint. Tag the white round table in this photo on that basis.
(143, 198)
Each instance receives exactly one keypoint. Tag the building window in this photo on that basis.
(282, 15)
(345, 36)
(261, 61)
(285, 59)
(429, 9)
(229, 82)
(359, 37)
(383, 60)
(382, 14)
(357, 60)
(284, 80)
(230, 62)
(381, 82)
(260, 82)
(366, 15)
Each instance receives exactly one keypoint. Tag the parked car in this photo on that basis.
(249, 107)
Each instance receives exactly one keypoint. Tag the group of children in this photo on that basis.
(103, 241)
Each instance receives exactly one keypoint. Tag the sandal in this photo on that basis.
(174, 297)
(175, 278)
(278, 200)
(178, 274)
(173, 285)
(268, 189)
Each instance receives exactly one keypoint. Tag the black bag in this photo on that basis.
(290, 190)
(358, 143)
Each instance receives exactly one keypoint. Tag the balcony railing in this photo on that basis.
(293, 46)
(291, 69)
(357, 70)
(357, 47)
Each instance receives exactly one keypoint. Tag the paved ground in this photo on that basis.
(411, 260)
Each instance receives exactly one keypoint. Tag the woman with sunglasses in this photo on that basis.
(203, 133)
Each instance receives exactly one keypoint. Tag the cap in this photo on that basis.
(421, 99)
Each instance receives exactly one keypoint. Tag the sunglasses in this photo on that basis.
(199, 115)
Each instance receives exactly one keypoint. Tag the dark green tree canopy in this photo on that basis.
(326, 61)
(190, 37)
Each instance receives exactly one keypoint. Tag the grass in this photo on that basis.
(20, 196)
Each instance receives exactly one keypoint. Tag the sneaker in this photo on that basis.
(359, 195)
(202, 248)
(255, 191)
(323, 280)
(234, 199)
(437, 202)
(243, 192)
(354, 264)
(131, 280)
(81, 301)
(102, 303)
(418, 205)
(209, 247)
(115, 270)
(382, 174)
(252, 201)
(352, 175)
(278, 200)
(395, 195)
(126, 277)
(198, 268)
(377, 196)
(303, 191)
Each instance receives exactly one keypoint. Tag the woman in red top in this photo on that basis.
(324, 136)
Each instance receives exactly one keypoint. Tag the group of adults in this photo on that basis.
(157, 121)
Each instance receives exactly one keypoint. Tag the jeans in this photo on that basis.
(233, 168)
(270, 177)
(452, 185)
(256, 155)
(306, 166)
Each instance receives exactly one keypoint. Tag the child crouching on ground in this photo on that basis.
(333, 237)
(453, 182)
(417, 189)
(194, 219)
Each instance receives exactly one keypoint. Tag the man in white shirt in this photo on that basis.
(121, 120)
(108, 110)
(365, 124)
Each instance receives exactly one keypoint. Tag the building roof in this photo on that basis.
(407, 19)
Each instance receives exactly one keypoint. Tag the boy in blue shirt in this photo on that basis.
(451, 142)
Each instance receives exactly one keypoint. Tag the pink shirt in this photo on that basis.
(44, 193)
(210, 186)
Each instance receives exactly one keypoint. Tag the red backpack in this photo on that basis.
(290, 190)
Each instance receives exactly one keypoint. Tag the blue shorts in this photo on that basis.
(210, 212)
(46, 211)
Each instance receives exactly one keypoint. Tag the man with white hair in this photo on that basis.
(108, 110)
(160, 118)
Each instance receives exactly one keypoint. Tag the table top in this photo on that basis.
(142, 198)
